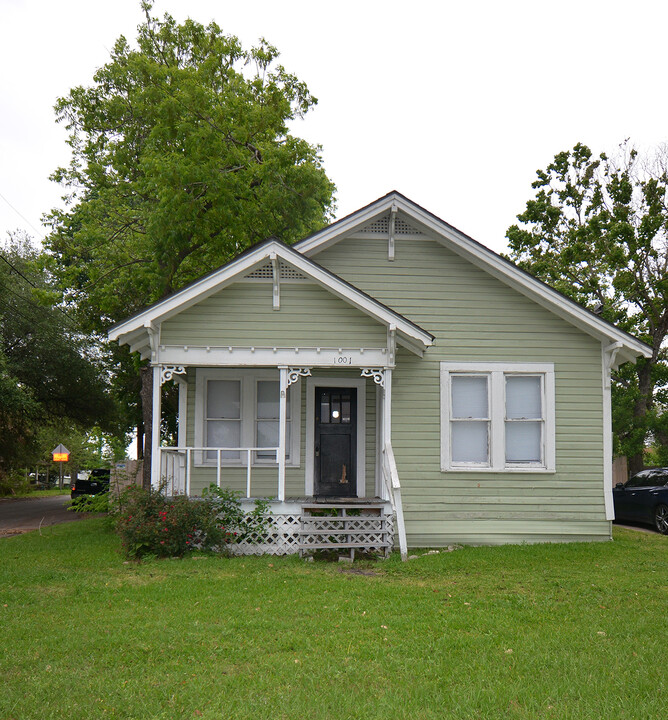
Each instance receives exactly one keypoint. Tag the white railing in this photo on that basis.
(391, 478)
(176, 465)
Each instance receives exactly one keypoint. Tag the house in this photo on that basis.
(396, 373)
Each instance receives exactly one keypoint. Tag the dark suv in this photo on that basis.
(97, 482)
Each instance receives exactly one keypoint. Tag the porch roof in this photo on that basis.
(137, 330)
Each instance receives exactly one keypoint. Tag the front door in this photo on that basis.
(335, 442)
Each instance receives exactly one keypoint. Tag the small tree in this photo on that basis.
(597, 230)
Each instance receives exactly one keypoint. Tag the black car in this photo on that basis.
(97, 482)
(644, 499)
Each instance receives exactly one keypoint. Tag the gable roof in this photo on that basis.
(627, 346)
(133, 330)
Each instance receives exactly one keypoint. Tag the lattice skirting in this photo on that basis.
(280, 535)
(271, 535)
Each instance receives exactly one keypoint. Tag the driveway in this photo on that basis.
(19, 515)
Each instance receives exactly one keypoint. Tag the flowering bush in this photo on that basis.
(151, 524)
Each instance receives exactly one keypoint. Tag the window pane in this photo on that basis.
(470, 442)
(223, 399)
(267, 436)
(267, 399)
(223, 433)
(523, 442)
(469, 397)
(523, 397)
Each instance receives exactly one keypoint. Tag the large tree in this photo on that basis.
(597, 230)
(181, 158)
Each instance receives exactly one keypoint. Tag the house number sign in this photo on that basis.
(343, 360)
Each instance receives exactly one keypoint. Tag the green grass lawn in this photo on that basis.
(544, 631)
(32, 493)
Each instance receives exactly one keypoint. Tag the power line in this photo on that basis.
(32, 284)
(23, 217)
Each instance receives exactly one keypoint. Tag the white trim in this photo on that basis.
(257, 356)
(235, 270)
(379, 485)
(607, 359)
(156, 416)
(183, 411)
(360, 385)
(497, 371)
(484, 258)
(248, 379)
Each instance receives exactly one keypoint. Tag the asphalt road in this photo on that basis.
(19, 515)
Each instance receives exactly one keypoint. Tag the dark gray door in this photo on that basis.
(335, 442)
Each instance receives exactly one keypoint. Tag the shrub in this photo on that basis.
(151, 524)
(90, 503)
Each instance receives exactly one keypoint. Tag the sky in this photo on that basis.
(455, 104)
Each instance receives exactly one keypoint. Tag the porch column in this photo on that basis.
(387, 408)
(156, 414)
(282, 429)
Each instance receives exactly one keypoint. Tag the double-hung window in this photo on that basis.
(497, 416)
(240, 409)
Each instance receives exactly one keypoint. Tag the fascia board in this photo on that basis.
(544, 296)
(211, 284)
(354, 297)
(532, 288)
(193, 294)
(483, 258)
(330, 235)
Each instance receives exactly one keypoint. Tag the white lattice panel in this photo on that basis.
(272, 535)
(265, 272)
(381, 226)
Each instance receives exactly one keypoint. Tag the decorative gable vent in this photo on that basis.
(265, 272)
(381, 226)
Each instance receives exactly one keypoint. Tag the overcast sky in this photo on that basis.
(454, 104)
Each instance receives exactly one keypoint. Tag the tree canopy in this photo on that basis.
(181, 158)
(597, 230)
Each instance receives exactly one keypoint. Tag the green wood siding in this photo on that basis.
(242, 314)
(474, 317)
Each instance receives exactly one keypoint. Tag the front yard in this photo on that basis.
(547, 631)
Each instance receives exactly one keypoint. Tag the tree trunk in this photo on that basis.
(146, 394)
(642, 407)
(140, 438)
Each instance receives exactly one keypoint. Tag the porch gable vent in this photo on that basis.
(381, 226)
(264, 272)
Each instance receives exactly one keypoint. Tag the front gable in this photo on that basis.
(269, 299)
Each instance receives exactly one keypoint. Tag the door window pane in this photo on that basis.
(523, 442)
(470, 442)
(469, 397)
(523, 397)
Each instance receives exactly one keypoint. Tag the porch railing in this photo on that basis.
(391, 478)
(176, 464)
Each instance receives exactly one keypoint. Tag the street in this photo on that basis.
(19, 515)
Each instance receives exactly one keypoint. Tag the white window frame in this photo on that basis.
(248, 379)
(496, 373)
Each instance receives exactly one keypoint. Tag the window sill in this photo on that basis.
(501, 471)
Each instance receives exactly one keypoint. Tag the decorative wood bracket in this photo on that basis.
(390, 244)
(378, 375)
(167, 372)
(276, 280)
(295, 373)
